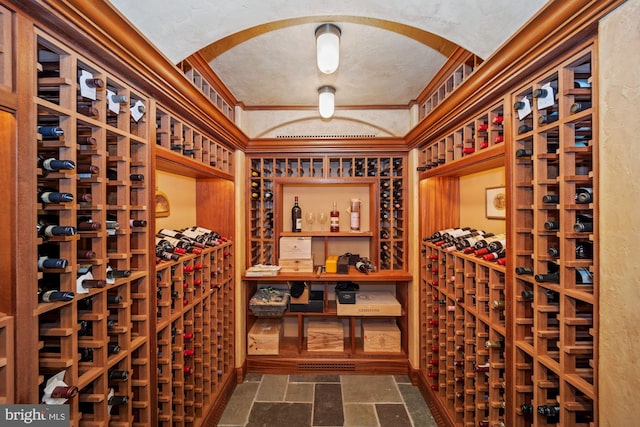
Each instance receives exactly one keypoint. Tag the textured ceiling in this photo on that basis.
(263, 50)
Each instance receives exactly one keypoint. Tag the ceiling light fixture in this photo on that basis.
(326, 101)
(328, 47)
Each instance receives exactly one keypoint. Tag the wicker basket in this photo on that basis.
(269, 302)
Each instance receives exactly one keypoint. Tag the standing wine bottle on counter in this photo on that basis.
(296, 216)
(334, 219)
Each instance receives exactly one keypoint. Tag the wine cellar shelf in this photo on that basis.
(383, 176)
(293, 352)
(524, 354)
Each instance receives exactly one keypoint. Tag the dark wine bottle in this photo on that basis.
(584, 250)
(576, 107)
(551, 198)
(113, 348)
(137, 223)
(547, 278)
(50, 195)
(116, 400)
(46, 230)
(296, 217)
(55, 296)
(524, 271)
(118, 375)
(551, 225)
(548, 118)
(53, 131)
(583, 195)
(584, 223)
(54, 165)
(44, 262)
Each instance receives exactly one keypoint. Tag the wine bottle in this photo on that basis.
(119, 99)
(497, 120)
(584, 250)
(524, 129)
(53, 131)
(44, 262)
(64, 392)
(527, 295)
(523, 152)
(584, 223)
(118, 400)
(498, 305)
(55, 296)
(50, 195)
(54, 165)
(576, 107)
(296, 216)
(524, 271)
(93, 283)
(118, 375)
(539, 93)
(113, 348)
(494, 344)
(547, 278)
(549, 411)
(46, 230)
(548, 118)
(334, 216)
(551, 225)
(94, 83)
(551, 198)
(584, 195)
(584, 276)
(137, 223)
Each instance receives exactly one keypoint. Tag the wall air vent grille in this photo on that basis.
(328, 136)
(327, 366)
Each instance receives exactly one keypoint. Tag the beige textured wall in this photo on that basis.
(619, 367)
(472, 200)
(181, 192)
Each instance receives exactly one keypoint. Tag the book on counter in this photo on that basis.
(261, 270)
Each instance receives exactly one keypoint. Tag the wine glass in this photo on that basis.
(322, 219)
(310, 217)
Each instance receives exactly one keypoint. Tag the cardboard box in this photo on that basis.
(296, 265)
(295, 248)
(325, 335)
(380, 336)
(264, 337)
(331, 265)
(315, 304)
(371, 304)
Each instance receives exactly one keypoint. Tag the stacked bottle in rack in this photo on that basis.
(195, 324)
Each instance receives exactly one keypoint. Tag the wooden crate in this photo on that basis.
(325, 336)
(371, 304)
(264, 337)
(380, 336)
(296, 265)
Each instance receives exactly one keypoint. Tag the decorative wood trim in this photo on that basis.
(555, 29)
(198, 62)
(125, 50)
(336, 145)
(458, 57)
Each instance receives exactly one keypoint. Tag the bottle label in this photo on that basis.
(335, 223)
(355, 221)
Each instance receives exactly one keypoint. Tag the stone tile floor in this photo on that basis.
(326, 400)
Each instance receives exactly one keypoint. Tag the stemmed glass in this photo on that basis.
(310, 217)
(322, 219)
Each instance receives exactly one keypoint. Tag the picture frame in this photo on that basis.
(163, 208)
(495, 203)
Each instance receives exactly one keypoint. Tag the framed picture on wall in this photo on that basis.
(495, 202)
(163, 209)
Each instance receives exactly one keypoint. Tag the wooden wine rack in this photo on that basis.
(555, 333)
(197, 71)
(460, 311)
(7, 354)
(195, 336)
(385, 174)
(457, 69)
(105, 328)
(478, 139)
(179, 136)
(549, 328)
